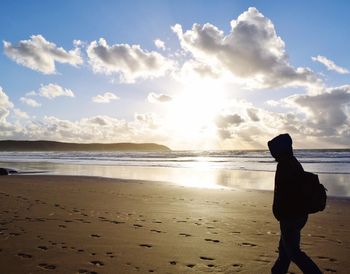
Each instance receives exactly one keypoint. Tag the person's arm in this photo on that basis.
(287, 189)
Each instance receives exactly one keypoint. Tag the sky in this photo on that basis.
(201, 75)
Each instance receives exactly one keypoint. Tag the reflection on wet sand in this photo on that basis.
(204, 177)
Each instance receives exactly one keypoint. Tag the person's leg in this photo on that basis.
(282, 263)
(290, 235)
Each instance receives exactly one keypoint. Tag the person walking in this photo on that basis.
(288, 207)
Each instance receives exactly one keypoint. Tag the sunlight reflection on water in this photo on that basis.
(200, 176)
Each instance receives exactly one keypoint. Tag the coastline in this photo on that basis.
(76, 224)
(232, 169)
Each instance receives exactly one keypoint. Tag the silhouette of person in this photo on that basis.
(288, 207)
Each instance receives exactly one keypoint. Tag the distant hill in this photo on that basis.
(11, 145)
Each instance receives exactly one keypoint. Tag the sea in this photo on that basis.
(205, 169)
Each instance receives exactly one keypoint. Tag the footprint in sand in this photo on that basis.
(85, 271)
(95, 236)
(206, 258)
(327, 258)
(248, 244)
(146, 245)
(185, 234)
(272, 233)
(318, 236)
(237, 265)
(263, 260)
(14, 234)
(47, 266)
(40, 219)
(137, 225)
(157, 231)
(190, 265)
(97, 263)
(330, 270)
(173, 262)
(157, 222)
(24, 255)
(117, 222)
(211, 240)
(110, 255)
(42, 247)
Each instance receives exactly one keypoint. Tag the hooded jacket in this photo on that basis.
(288, 201)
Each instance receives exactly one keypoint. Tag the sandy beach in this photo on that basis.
(68, 224)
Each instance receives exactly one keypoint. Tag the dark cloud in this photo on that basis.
(328, 112)
(253, 114)
(225, 121)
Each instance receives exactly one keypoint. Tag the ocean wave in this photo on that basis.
(321, 161)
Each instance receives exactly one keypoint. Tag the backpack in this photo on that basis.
(314, 193)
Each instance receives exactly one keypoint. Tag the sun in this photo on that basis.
(192, 113)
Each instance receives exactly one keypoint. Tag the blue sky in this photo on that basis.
(282, 68)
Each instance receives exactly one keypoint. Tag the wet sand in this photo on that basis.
(67, 224)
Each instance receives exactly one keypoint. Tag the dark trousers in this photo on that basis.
(289, 249)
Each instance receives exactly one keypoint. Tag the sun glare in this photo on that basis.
(193, 112)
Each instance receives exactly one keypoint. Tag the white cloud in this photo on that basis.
(158, 98)
(4, 100)
(78, 43)
(93, 129)
(224, 121)
(5, 106)
(52, 91)
(21, 114)
(7, 129)
(159, 44)
(3, 115)
(31, 93)
(252, 51)
(195, 70)
(330, 65)
(131, 62)
(39, 54)
(98, 120)
(146, 120)
(272, 103)
(253, 114)
(30, 102)
(103, 129)
(327, 113)
(107, 97)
